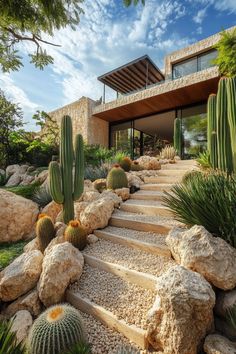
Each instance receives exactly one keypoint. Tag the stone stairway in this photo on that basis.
(117, 287)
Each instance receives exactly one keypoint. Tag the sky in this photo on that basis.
(110, 35)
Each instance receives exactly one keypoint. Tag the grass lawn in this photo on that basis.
(9, 251)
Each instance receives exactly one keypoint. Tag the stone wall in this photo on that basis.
(196, 48)
(93, 129)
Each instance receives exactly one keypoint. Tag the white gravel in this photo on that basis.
(143, 202)
(150, 237)
(129, 257)
(161, 220)
(120, 297)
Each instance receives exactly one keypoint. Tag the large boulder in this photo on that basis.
(133, 180)
(29, 302)
(62, 265)
(97, 214)
(26, 180)
(42, 176)
(110, 195)
(79, 208)
(32, 245)
(149, 163)
(21, 324)
(216, 344)
(210, 256)
(14, 180)
(123, 193)
(20, 276)
(52, 210)
(17, 216)
(182, 313)
(90, 196)
(11, 169)
(16, 174)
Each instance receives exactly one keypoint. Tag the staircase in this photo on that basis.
(117, 287)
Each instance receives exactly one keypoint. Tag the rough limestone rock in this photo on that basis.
(42, 176)
(79, 208)
(62, 265)
(225, 300)
(11, 169)
(182, 313)
(216, 344)
(32, 245)
(14, 180)
(149, 163)
(91, 238)
(123, 193)
(133, 180)
(17, 216)
(56, 240)
(100, 184)
(26, 180)
(20, 276)
(60, 228)
(90, 196)
(29, 302)
(52, 210)
(88, 185)
(111, 196)
(22, 322)
(210, 256)
(97, 214)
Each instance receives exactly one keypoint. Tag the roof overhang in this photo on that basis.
(185, 91)
(133, 76)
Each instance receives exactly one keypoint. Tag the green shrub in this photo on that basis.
(92, 173)
(206, 199)
(42, 196)
(204, 160)
(95, 155)
(8, 342)
(25, 191)
(9, 251)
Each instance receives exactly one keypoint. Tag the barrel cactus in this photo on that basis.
(125, 163)
(212, 130)
(231, 102)
(56, 330)
(168, 152)
(177, 136)
(225, 160)
(117, 178)
(64, 187)
(45, 231)
(76, 234)
(136, 166)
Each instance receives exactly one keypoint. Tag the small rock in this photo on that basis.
(11, 169)
(14, 180)
(149, 163)
(32, 245)
(216, 344)
(110, 195)
(26, 180)
(20, 276)
(22, 322)
(100, 184)
(52, 210)
(92, 239)
(123, 193)
(133, 180)
(210, 256)
(42, 176)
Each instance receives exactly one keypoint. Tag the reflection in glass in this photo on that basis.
(121, 137)
(205, 60)
(185, 68)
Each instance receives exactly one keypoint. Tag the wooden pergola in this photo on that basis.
(133, 76)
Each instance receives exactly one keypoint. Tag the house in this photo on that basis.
(141, 119)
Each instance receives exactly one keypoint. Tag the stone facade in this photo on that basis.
(93, 129)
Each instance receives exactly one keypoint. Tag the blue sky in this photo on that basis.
(108, 36)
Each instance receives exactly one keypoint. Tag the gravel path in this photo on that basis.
(120, 297)
(129, 257)
(144, 202)
(150, 237)
(162, 220)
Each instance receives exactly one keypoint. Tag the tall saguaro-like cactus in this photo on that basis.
(225, 162)
(64, 187)
(231, 101)
(211, 130)
(177, 136)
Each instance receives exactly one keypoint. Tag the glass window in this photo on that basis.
(185, 68)
(121, 137)
(205, 60)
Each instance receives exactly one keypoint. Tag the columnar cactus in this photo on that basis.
(211, 130)
(45, 231)
(56, 330)
(231, 101)
(177, 136)
(225, 162)
(76, 234)
(64, 188)
(117, 178)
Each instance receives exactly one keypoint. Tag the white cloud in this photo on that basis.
(201, 14)
(220, 5)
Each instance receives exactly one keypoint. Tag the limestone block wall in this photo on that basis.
(194, 49)
(93, 129)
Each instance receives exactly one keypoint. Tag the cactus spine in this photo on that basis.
(177, 136)
(225, 162)
(62, 188)
(211, 130)
(56, 330)
(117, 178)
(45, 231)
(125, 163)
(76, 235)
(231, 101)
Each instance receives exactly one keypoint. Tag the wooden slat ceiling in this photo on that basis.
(133, 76)
(174, 99)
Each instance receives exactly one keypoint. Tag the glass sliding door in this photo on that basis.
(121, 137)
(194, 131)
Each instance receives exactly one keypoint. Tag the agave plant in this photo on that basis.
(80, 348)
(42, 196)
(94, 173)
(206, 199)
(8, 342)
(204, 160)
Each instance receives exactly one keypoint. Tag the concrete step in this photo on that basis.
(172, 172)
(150, 243)
(163, 179)
(142, 207)
(147, 195)
(156, 187)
